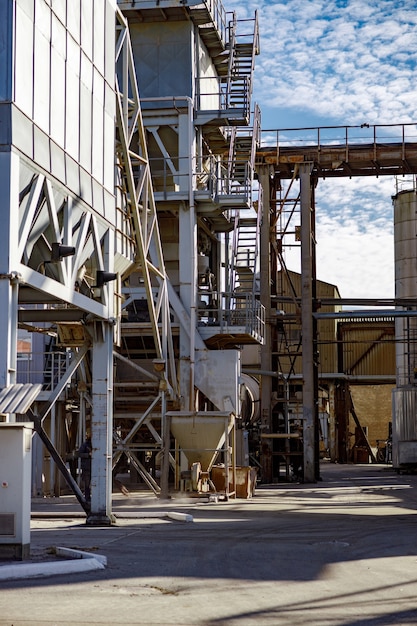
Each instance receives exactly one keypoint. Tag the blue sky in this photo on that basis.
(341, 62)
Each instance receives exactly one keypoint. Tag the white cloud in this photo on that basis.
(354, 235)
(338, 60)
(331, 63)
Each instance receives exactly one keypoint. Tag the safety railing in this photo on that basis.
(210, 177)
(407, 182)
(215, 9)
(45, 368)
(224, 94)
(232, 310)
(219, 16)
(366, 134)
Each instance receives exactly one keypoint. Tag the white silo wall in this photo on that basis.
(405, 245)
(404, 418)
(62, 93)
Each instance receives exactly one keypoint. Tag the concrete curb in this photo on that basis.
(174, 515)
(79, 562)
(71, 553)
(179, 517)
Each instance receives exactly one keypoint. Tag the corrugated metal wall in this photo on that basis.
(368, 348)
(356, 348)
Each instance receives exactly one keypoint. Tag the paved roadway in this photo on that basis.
(340, 552)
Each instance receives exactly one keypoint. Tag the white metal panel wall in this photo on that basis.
(63, 88)
(209, 85)
(6, 17)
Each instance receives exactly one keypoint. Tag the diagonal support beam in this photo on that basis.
(37, 421)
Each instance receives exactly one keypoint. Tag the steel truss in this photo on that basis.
(136, 194)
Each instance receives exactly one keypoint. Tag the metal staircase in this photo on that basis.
(235, 66)
(242, 151)
(244, 46)
(240, 156)
(245, 254)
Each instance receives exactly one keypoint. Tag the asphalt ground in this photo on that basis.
(342, 551)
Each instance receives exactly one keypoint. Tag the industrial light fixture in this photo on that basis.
(104, 277)
(158, 365)
(58, 252)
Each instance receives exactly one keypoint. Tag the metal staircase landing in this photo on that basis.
(235, 67)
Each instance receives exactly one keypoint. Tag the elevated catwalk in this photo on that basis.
(371, 155)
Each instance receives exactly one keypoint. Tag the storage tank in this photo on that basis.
(404, 418)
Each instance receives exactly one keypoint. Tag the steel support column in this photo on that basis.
(307, 324)
(102, 426)
(264, 174)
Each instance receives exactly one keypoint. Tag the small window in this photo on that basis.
(24, 345)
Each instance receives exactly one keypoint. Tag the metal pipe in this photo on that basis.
(358, 314)
(388, 302)
(323, 376)
(193, 225)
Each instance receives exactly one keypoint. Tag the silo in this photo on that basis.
(404, 435)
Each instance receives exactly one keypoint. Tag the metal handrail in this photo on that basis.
(210, 176)
(218, 14)
(219, 93)
(229, 310)
(214, 7)
(46, 367)
(366, 134)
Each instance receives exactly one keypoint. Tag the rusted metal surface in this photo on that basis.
(365, 150)
(342, 160)
(368, 348)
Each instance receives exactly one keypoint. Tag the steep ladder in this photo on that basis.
(244, 46)
(236, 64)
(245, 254)
(242, 150)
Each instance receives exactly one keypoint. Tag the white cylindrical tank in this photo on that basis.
(405, 246)
(404, 417)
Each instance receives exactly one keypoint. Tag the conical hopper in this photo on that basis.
(200, 435)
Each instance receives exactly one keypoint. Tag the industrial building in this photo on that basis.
(145, 294)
